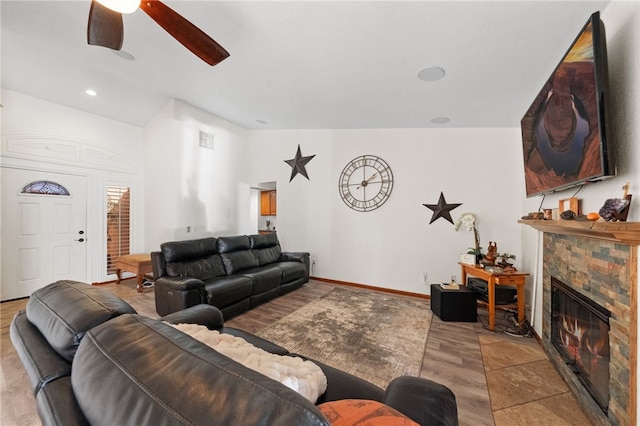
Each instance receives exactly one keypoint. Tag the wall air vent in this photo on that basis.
(206, 140)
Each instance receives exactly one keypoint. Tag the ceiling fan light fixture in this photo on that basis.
(122, 6)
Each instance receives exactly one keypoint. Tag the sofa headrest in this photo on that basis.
(231, 244)
(65, 310)
(186, 383)
(264, 240)
(266, 248)
(202, 269)
(177, 251)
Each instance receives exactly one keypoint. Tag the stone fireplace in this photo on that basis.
(600, 266)
(580, 333)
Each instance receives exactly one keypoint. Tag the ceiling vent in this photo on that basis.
(206, 140)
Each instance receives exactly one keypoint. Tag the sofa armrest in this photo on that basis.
(424, 401)
(41, 362)
(206, 315)
(302, 257)
(297, 256)
(179, 283)
(173, 294)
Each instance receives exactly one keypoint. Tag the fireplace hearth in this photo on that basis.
(604, 273)
(580, 333)
(598, 260)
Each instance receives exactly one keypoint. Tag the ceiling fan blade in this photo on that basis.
(105, 27)
(185, 32)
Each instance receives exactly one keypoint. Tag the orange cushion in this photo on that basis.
(348, 412)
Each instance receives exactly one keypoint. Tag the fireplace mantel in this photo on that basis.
(619, 232)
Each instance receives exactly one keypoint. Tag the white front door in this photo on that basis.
(43, 235)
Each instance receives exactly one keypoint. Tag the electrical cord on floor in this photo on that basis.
(513, 329)
(498, 328)
(521, 330)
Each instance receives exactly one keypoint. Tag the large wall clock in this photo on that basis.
(365, 183)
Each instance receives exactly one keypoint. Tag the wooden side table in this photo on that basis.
(139, 264)
(517, 279)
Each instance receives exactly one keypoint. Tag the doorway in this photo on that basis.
(266, 214)
(44, 220)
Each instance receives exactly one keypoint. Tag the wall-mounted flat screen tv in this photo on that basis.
(563, 132)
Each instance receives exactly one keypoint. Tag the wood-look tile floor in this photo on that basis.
(498, 379)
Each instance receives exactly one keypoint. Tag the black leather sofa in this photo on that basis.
(233, 274)
(92, 360)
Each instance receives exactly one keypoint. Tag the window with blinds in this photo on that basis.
(118, 224)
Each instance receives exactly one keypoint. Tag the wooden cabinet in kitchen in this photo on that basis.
(268, 205)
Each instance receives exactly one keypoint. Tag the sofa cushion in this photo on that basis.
(268, 255)
(65, 310)
(225, 291)
(237, 261)
(202, 269)
(264, 278)
(194, 387)
(176, 251)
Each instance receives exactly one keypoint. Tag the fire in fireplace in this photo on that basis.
(580, 333)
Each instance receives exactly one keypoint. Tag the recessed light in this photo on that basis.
(91, 92)
(124, 55)
(440, 120)
(431, 74)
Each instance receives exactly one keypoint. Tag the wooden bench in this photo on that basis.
(139, 264)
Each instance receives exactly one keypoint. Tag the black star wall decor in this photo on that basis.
(298, 164)
(442, 209)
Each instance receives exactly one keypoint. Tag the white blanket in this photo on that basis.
(302, 376)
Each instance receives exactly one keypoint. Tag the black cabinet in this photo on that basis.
(454, 305)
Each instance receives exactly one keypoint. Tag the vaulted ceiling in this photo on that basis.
(301, 64)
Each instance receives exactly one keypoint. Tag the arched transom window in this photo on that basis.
(45, 187)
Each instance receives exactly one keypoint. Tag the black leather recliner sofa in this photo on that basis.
(92, 360)
(233, 274)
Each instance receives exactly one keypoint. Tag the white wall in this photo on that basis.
(392, 246)
(193, 192)
(29, 117)
(622, 26)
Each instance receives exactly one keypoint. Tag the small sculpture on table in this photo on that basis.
(505, 263)
(492, 253)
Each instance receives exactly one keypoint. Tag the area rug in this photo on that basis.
(375, 336)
